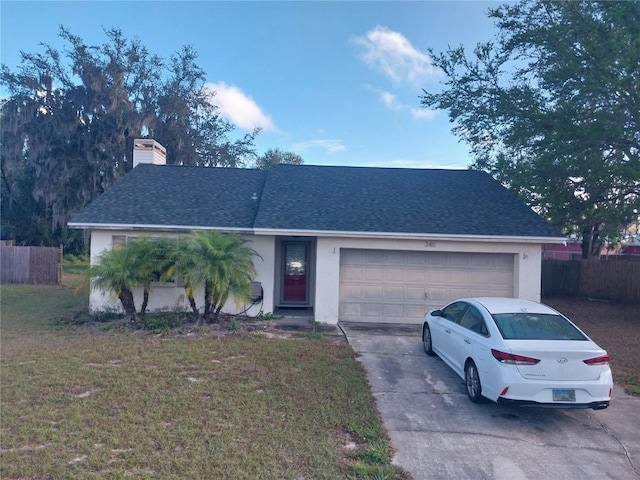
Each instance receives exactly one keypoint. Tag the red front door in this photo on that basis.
(295, 278)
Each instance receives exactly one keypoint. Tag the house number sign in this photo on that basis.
(430, 244)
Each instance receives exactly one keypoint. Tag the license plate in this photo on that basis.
(564, 395)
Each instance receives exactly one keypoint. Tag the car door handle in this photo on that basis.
(466, 340)
(447, 330)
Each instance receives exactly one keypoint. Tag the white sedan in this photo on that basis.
(518, 351)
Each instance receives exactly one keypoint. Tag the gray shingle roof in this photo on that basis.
(315, 198)
(169, 196)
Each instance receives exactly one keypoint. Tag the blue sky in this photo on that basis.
(335, 82)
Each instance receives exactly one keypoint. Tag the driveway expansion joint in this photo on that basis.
(627, 454)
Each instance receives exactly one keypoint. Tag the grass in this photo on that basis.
(75, 264)
(615, 327)
(78, 402)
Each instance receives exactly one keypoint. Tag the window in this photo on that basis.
(118, 241)
(536, 326)
(454, 311)
(473, 320)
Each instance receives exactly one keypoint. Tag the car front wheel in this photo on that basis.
(426, 340)
(472, 379)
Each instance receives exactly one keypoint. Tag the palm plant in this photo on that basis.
(219, 264)
(137, 263)
(113, 271)
(183, 265)
(152, 260)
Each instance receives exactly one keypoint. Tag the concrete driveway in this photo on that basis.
(439, 434)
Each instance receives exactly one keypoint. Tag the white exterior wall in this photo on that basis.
(171, 297)
(527, 265)
(527, 274)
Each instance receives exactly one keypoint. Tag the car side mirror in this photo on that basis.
(436, 313)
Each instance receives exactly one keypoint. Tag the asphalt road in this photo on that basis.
(439, 434)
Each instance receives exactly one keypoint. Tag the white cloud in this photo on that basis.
(331, 146)
(425, 113)
(414, 163)
(390, 100)
(392, 54)
(239, 108)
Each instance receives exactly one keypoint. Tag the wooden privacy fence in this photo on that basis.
(610, 278)
(33, 265)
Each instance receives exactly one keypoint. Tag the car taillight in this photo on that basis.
(603, 360)
(512, 359)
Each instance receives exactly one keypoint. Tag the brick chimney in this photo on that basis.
(146, 150)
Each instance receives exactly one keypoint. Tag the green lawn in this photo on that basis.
(80, 403)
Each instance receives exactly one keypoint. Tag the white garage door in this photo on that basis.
(400, 286)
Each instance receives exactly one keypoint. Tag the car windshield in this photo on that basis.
(536, 326)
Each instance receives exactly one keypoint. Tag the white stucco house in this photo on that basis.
(349, 244)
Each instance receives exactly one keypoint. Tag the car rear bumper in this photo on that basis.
(601, 405)
(594, 394)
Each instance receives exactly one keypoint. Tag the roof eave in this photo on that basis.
(410, 236)
(322, 233)
(153, 227)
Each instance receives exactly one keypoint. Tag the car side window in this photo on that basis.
(454, 312)
(473, 320)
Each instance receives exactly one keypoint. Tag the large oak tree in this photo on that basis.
(69, 122)
(552, 109)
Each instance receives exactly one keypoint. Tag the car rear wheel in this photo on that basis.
(426, 340)
(472, 379)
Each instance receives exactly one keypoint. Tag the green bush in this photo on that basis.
(70, 318)
(108, 315)
(266, 316)
(159, 324)
(75, 264)
(234, 325)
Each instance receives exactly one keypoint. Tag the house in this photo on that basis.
(564, 251)
(336, 243)
(572, 249)
(631, 244)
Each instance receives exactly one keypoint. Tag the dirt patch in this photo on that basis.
(613, 326)
(172, 325)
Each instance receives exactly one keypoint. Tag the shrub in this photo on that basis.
(159, 324)
(234, 325)
(266, 316)
(75, 265)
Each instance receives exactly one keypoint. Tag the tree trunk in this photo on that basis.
(586, 243)
(194, 308)
(216, 313)
(592, 242)
(126, 298)
(207, 300)
(145, 302)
